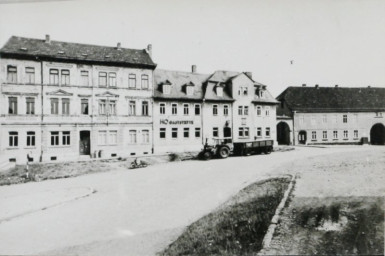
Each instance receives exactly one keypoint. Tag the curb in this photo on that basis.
(274, 221)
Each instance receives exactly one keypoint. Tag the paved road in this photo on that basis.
(132, 212)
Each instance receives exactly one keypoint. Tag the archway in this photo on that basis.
(377, 134)
(283, 133)
(302, 137)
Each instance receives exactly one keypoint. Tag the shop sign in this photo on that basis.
(166, 121)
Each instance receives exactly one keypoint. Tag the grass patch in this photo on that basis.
(237, 227)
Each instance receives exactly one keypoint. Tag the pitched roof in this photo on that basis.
(64, 51)
(329, 99)
(178, 80)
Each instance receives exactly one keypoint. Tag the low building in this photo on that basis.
(67, 101)
(331, 115)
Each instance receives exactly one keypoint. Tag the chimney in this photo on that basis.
(303, 85)
(119, 46)
(149, 49)
(336, 86)
(316, 86)
(47, 39)
(249, 74)
(193, 68)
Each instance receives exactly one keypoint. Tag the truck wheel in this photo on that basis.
(224, 152)
(207, 155)
(268, 150)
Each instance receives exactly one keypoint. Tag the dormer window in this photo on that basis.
(261, 94)
(243, 90)
(166, 88)
(189, 90)
(220, 91)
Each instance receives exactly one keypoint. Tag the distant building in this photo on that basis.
(66, 101)
(331, 115)
(190, 108)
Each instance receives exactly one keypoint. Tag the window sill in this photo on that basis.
(12, 148)
(65, 146)
(355, 138)
(324, 139)
(346, 139)
(33, 147)
(313, 140)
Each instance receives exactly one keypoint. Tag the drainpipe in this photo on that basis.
(202, 123)
(41, 110)
(294, 112)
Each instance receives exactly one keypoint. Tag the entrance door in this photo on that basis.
(85, 143)
(302, 137)
(226, 132)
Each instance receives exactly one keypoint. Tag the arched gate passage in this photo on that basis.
(283, 133)
(377, 134)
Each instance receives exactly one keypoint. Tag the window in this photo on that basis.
(174, 132)
(346, 134)
(186, 132)
(102, 107)
(54, 138)
(355, 134)
(166, 88)
(144, 81)
(102, 79)
(54, 76)
(262, 94)
(345, 119)
(132, 136)
(220, 91)
(54, 106)
(226, 110)
(12, 105)
(313, 120)
(65, 77)
(185, 109)
(314, 135)
(197, 132)
(66, 138)
(243, 132)
(146, 136)
(378, 114)
(84, 106)
(189, 90)
(132, 81)
(30, 139)
(132, 108)
(102, 137)
(259, 110)
(145, 108)
(267, 111)
(84, 78)
(324, 119)
(112, 107)
(240, 110)
(243, 90)
(197, 109)
(246, 110)
(174, 109)
(259, 132)
(11, 74)
(215, 132)
(112, 79)
(30, 105)
(162, 133)
(335, 135)
(65, 106)
(324, 135)
(215, 110)
(267, 131)
(113, 137)
(13, 139)
(162, 108)
(30, 75)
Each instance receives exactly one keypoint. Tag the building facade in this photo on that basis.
(64, 101)
(192, 108)
(331, 115)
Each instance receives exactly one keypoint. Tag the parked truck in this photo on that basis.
(222, 148)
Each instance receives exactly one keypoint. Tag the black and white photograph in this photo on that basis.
(192, 127)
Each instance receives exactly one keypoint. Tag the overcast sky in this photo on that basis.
(283, 43)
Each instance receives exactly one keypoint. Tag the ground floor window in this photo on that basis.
(346, 134)
(102, 137)
(356, 134)
(324, 135)
(66, 138)
(13, 139)
(243, 132)
(113, 137)
(54, 138)
(132, 136)
(186, 132)
(145, 136)
(30, 139)
(259, 131)
(335, 135)
(197, 132)
(162, 133)
(314, 135)
(174, 133)
(215, 132)
(267, 131)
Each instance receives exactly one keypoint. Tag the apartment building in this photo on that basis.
(331, 115)
(67, 101)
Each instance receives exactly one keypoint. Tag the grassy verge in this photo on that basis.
(332, 226)
(237, 227)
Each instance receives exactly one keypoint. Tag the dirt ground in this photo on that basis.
(355, 184)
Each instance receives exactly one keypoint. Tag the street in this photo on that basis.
(131, 212)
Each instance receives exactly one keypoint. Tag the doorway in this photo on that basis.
(302, 137)
(85, 143)
(283, 133)
(377, 134)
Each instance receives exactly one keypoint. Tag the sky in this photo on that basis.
(283, 43)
